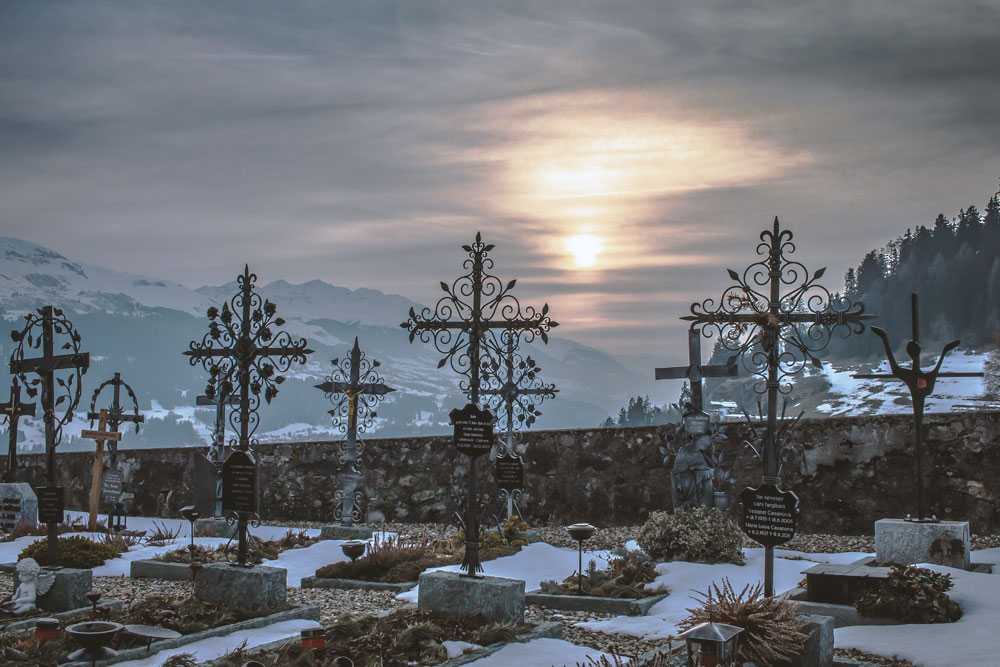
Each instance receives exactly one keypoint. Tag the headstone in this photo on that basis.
(490, 598)
(239, 482)
(909, 542)
(256, 590)
(18, 506)
(51, 503)
(68, 591)
(770, 515)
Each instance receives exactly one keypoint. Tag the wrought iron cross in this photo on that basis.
(39, 332)
(776, 318)
(464, 325)
(694, 371)
(921, 385)
(12, 411)
(515, 390)
(116, 415)
(245, 356)
(360, 387)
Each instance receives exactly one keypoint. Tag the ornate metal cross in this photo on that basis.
(464, 325)
(515, 390)
(217, 452)
(12, 411)
(694, 371)
(360, 388)
(776, 318)
(246, 357)
(921, 385)
(39, 332)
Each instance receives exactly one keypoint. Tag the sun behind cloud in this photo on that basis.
(584, 248)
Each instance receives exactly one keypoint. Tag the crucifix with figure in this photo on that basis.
(12, 411)
(777, 318)
(464, 326)
(217, 452)
(108, 484)
(245, 356)
(921, 385)
(511, 379)
(360, 387)
(40, 332)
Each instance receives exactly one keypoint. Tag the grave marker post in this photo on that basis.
(40, 330)
(12, 411)
(100, 436)
(360, 387)
(464, 326)
(245, 356)
(107, 485)
(776, 317)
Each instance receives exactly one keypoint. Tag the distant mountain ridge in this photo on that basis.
(140, 325)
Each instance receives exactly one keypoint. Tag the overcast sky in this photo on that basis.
(363, 143)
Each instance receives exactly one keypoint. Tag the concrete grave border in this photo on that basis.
(356, 584)
(310, 612)
(150, 568)
(604, 605)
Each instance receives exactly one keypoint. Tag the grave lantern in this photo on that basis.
(313, 639)
(712, 645)
(47, 629)
(118, 518)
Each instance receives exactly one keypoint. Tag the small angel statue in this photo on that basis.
(33, 582)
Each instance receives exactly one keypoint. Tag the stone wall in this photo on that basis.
(847, 472)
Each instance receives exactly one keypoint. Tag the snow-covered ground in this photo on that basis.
(849, 396)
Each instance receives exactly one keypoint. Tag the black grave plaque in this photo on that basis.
(203, 486)
(51, 503)
(770, 515)
(111, 486)
(509, 472)
(473, 430)
(239, 483)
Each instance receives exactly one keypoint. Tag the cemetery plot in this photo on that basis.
(619, 589)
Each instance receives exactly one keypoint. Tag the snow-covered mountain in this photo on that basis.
(139, 325)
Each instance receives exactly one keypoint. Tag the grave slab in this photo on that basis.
(214, 527)
(908, 542)
(67, 593)
(605, 605)
(18, 506)
(257, 590)
(336, 532)
(842, 584)
(491, 598)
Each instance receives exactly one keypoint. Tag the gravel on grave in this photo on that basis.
(623, 645)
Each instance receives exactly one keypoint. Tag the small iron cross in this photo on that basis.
(921, 385)
(13, 410)
(695, 372)
(360, 380)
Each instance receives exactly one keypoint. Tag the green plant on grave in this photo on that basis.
(695, 535)
(772, 630)
(626, 577)
(911, 595)
(76, 552)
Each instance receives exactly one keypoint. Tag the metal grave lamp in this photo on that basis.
(580, 532)
(712, 645)
(118, 518)
(191, 514)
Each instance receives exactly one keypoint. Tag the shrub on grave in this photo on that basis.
(74, 552)
(772, 630)
(695, 535)
(391, 560)
(626, 577)
(911, 595)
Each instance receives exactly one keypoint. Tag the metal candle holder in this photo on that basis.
(580, 532)
(192, 515)
(354, 549)
(95, 637)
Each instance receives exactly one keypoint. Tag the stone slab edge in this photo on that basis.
(150, 568)
(29, 623)
(545, 630)
(357, 584)
(311, 612)
(842, 614)
(621, 606)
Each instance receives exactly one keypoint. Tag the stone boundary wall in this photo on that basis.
(848, 472)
